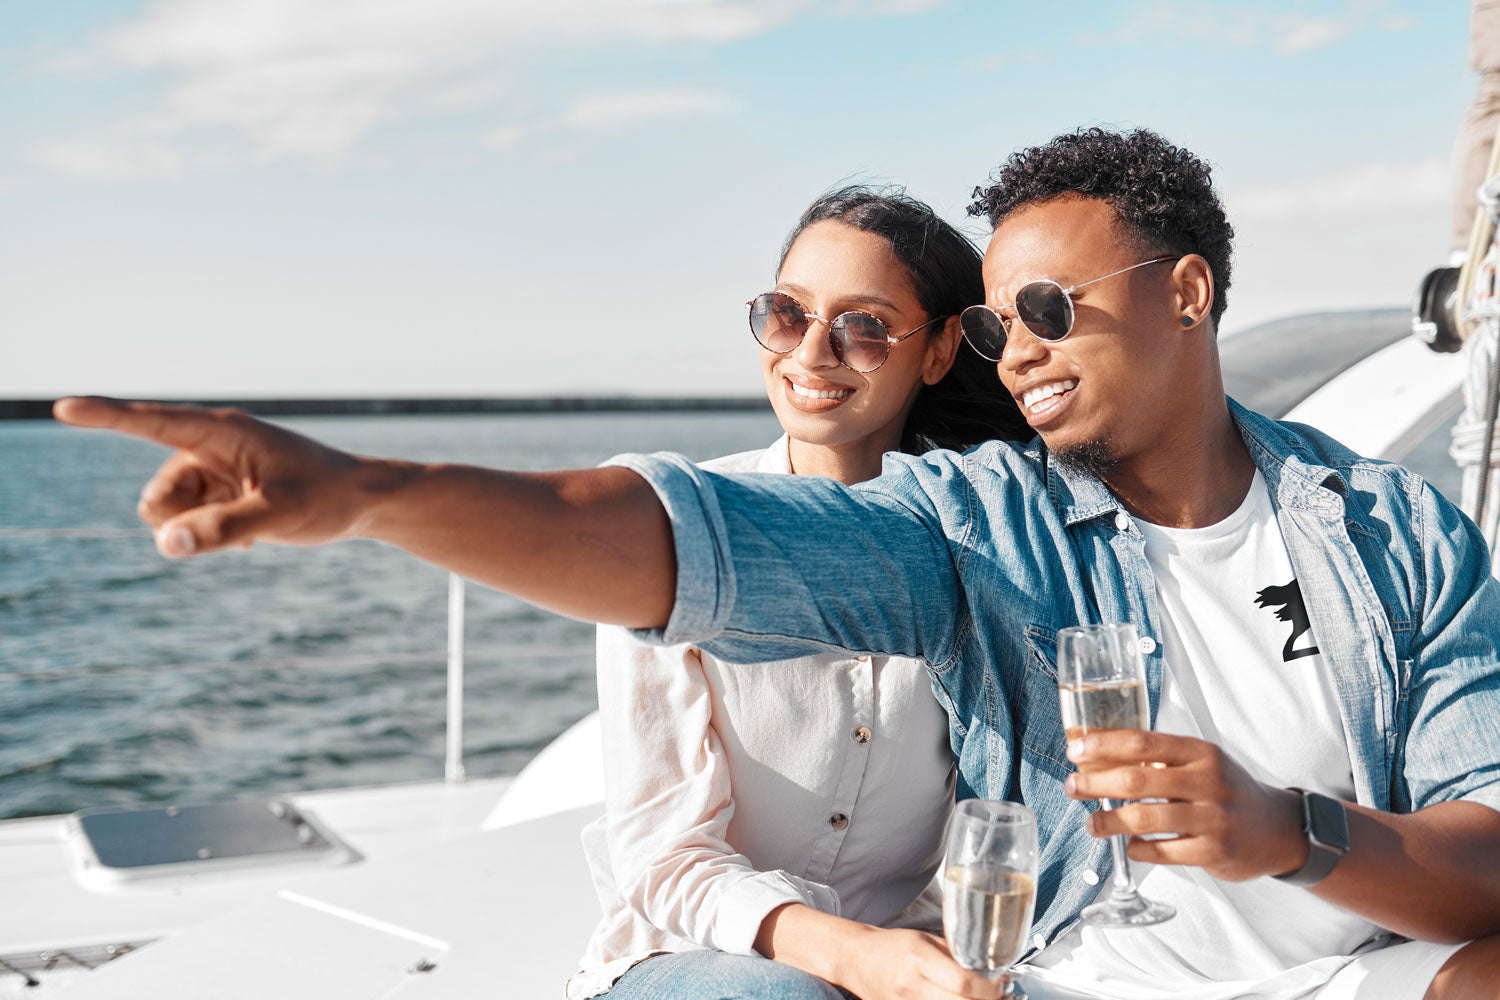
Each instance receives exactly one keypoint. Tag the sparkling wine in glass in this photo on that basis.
(989, 884)
(1101, 678)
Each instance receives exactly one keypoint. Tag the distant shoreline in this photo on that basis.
(41, 409)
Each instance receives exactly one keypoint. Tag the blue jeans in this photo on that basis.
(716, 975)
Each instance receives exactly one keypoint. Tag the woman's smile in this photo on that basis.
(813, 395)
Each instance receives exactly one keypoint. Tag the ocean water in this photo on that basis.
(127, 679)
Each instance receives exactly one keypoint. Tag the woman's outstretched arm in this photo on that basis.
(594, 544)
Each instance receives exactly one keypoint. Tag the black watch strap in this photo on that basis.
(1326, 827)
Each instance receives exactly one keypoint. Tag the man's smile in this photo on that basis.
(1044, 400)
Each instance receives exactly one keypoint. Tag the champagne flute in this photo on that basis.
(989, 885)
(1101, 678)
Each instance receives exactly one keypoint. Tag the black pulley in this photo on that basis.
(1433, 321)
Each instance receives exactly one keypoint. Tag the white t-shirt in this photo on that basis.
(1243, 671)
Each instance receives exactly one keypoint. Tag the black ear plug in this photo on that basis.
(1187, 321)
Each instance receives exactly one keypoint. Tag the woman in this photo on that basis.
(796, 811)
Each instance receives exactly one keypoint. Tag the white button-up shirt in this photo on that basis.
(732, 789)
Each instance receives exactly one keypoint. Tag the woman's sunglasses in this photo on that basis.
(860, 341)
(1043, 306)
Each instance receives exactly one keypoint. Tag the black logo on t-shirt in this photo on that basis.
(1288, 597)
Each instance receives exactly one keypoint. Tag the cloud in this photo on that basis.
(1008, 60)
(113, 157)
(1303, 34)
(1289, 34)
(615, 111)
(309, 80)
(1367, 188)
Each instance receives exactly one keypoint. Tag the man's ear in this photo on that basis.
(942, 351)
(1193, 290)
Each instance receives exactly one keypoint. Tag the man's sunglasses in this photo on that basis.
(860, 341)
(1043, 306)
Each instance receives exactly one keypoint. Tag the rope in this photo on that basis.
(1474, 446)
(1487, 449)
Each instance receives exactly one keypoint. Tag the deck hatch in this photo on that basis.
(138, 843)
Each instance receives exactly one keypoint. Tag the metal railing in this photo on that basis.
(453, 758)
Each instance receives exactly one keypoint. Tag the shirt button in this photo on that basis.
(1090, 876)
(838, 821)
(1039, 941)
(1122, 520)
(862, 735)
(1148, 645)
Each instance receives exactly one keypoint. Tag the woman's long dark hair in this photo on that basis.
(969, 405)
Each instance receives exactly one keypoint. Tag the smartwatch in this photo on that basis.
(1327, 830)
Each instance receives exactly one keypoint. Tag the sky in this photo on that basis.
(217, 198)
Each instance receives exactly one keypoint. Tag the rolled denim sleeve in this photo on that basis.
(1453, 695)
(773, 567)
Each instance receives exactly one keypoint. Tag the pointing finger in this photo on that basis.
(176, 425)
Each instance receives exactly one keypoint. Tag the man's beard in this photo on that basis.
(1094, 457)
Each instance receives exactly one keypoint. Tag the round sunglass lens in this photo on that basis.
(778, 322)
(984, 332)
(1045, 309)
(860, 341)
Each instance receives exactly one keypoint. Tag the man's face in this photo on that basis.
(1106, 392)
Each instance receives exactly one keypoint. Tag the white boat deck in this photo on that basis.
(49, 910)
(457, 885)
(503, 913)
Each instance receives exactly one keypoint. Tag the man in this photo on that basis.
(1310, 619)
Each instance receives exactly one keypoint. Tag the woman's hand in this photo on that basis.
(871, 962)
(912, 965)
(233, 480)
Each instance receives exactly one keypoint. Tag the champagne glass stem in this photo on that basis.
(1123, 883)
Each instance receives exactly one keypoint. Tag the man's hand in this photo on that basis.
(594, 543)
(233, 480)
(1227, 823)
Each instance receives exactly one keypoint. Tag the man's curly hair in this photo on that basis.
(1163, 193)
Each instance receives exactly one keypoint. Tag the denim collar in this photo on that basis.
(1295, 480)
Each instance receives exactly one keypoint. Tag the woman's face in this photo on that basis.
(834, 268)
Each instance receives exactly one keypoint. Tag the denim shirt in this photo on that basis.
(973, 562)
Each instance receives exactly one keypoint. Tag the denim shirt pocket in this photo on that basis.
(1043, 743)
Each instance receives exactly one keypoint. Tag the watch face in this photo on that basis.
(1326, 822)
